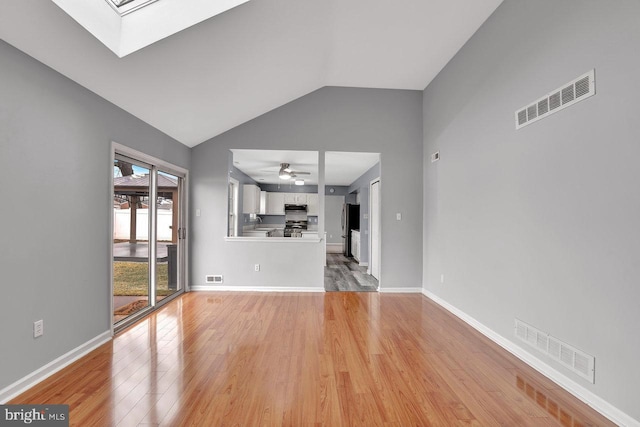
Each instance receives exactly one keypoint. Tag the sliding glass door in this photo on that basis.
(131, 267)
(148, 236)
(169, 235)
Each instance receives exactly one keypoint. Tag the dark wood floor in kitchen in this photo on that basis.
(345, 274)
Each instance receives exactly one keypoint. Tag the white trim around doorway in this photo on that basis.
(378, 218)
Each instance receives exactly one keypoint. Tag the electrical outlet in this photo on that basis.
(38, 328)
(256, 267)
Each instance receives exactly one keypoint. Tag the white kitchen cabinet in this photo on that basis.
(250, 199)
(312, 204)
(275, 204)
(295, 198)
(355, 244)
(263, 202)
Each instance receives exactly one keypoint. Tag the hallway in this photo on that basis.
(344, 274)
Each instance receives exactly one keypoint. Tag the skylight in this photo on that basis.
(124, 7)
(124, 32)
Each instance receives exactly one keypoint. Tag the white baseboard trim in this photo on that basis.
(335, 248)
(605, 408)
(363, 264)
(200, 288)
(400, 290)
(52, 367)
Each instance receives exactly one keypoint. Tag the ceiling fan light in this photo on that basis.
(299, 182)
(284, 175)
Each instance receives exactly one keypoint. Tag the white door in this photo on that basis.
(233, 208)
(374, 221)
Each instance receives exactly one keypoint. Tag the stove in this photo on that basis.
(295, 220)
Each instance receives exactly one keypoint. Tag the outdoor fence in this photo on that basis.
(122, 223)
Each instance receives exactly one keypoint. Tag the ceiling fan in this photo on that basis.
(287, 173)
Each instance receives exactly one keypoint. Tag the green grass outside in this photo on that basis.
(132, 278)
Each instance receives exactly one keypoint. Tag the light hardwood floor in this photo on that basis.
(296, 359)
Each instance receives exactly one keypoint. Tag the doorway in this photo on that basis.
(347, 210)
(374, 228)
(148, 216)
(232, 209)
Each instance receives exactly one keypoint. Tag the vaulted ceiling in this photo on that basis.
(226, 70)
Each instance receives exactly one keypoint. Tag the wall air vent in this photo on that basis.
(573, 359)
(581, 88)
(214, 279)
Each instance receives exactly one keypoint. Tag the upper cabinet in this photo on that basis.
(275, 203)
(250, 199)
(263, 202)
(295, 198)
(312, 204)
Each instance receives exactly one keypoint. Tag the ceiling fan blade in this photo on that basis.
(300, 173)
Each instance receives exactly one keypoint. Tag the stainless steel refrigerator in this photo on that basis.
(350, 221)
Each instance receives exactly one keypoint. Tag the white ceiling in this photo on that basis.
(263, 165)
(134, 25)
(233, 67)
(341, 168)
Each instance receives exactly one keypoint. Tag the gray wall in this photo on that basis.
(289, 188)
(55, 141)
(361, 185)
(333, 214)
(542, 223)
(338, 190)
(329, 119)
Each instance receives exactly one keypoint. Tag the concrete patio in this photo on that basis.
(138, 252)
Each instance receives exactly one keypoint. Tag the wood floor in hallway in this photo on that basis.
(299, 359)
(345, 274)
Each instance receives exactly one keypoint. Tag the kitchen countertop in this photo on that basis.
(260, 235)
(311, 238)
